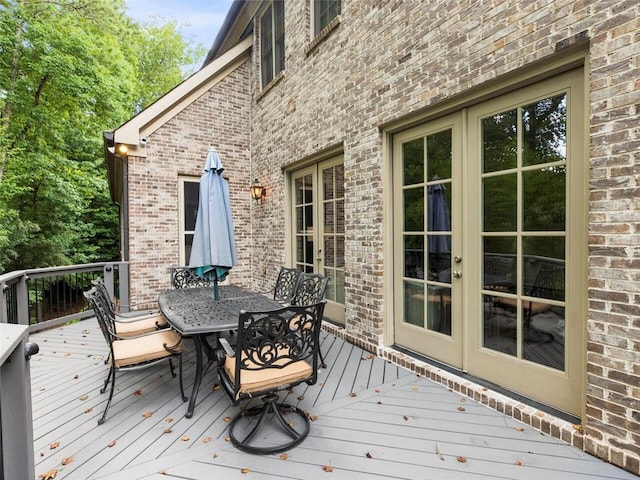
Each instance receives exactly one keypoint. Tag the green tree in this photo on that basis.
(70, 69)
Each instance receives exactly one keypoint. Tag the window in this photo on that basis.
(189, 188)
(323, 12)
(272, 41)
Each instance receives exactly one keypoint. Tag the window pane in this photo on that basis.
(329, 251)
(323, 12)
(414, 303)
(544, 199)
(414, 256)
(439, 309)
(500, 327)
(439, 156)
(191, 200)
(329, 217)
(413, 161)
(327, 183)
(266, 47)
(278, 8)
(499, 142)
(500, 203)
(544, 266)
(414, 210)
(544, 136)
(499, 264)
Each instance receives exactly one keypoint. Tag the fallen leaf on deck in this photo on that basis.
(244, 470)
(206, 439)
(42, 454)
(519, 429)
(461, 409)
(185, 438)
(215, 455)
(50, 475)
(67, 354)
(313, 418)
(67, 461)
(377, 390)
(461, 459)
(84, 397)
(89, 410)
(353, 394)
(438, 453)
(138, 392)
(301, 397)
(463, 400)
(379, 402)
(75, 377)
(414, 388)
(147, 415)
(169, 420)
(283, 456)
(216, 386)
(227, 439)
(327, 468)
(167, 430)
(54, 445)
(368, 455)
(540, 414)
(406, 417)
(577, 427)
(517, 462)
(226, 419)
(112, 444)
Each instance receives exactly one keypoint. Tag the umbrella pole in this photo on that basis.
(215, 284)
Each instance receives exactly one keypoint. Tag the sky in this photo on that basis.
(198, 20)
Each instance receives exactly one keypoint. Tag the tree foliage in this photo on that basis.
(70, 69)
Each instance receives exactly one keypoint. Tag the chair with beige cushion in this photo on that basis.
(131, 323)
(133, 352)
(276, 350)
(311, 288)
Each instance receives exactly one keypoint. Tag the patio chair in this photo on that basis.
(132, 353)
(130, 323)
(311, 288)
(275, 350)
(185, 277)
(286, 285)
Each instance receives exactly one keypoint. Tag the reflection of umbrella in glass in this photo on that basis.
(214, 248)
(438, 219)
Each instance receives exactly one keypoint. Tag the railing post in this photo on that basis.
(123, 282)
(22, 299)
(16, 418)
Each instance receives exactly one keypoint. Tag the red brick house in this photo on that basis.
(465, 172)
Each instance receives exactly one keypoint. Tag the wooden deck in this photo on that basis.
(374, 421)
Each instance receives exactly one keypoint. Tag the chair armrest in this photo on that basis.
(135, 316)
(228, 349)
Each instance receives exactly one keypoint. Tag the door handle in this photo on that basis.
(456, 274)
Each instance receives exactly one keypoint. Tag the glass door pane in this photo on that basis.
(304, 221)
(523, 231)
(333, 230)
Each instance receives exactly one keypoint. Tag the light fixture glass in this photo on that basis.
(258, 192)
(122, 149)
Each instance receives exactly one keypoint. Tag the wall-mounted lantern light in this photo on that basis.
(258, 192)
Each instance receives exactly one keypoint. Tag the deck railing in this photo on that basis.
(33, 300)
(47, 297)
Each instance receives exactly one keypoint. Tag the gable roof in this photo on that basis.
(132, 134)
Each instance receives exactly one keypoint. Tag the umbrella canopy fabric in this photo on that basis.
(213, 252)
(438, 219)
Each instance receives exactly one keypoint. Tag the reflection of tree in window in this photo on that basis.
(544, 136)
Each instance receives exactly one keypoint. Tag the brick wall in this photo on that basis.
(388, 59)
(219, 118)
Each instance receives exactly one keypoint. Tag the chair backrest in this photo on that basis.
(286, 284)
(311, 289)
(184, 277)
(276, 339)
(104, 313)
(101, 289)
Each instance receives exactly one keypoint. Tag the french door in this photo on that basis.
(317, 228)
(490, 240)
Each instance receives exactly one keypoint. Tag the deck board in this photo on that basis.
(410, 427)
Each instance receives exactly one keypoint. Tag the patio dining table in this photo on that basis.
(195, 313)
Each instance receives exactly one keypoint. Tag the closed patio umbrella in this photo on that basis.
(214, 248)
(438, 219)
